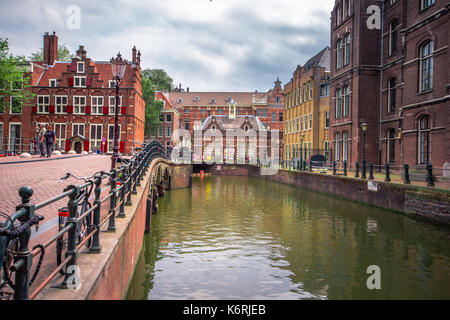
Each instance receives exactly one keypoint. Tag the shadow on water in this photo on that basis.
(246, 238)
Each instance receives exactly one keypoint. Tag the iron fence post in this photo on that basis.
(406, 174)
(139, 169)
(334, 168)
(112, 220)
(22, 277)
(430, 181)
(387, 173)
(129, 183)
(135, 175)
(356, 170)
(96, 247)
(122, 195)
(72, 236)
(371, 177)
(345, 168)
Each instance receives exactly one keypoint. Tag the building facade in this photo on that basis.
(394, 78)
(307, 114)
(77, 99)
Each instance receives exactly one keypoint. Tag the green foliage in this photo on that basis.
(63, 54)
(152, 80)
(13, 79)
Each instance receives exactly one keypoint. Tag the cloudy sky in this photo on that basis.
(218, 45)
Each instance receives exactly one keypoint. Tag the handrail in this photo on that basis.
(131, 175)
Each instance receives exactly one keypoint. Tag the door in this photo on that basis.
(78, 147)
(14, 137)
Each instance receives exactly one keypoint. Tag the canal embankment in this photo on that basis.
(432, 204)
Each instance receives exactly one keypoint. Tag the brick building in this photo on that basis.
(394, 78)
(187, 109)
(78, 99)
(307, 109)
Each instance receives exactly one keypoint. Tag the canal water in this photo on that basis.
(243, 238)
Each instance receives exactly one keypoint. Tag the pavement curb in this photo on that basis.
(48, 159)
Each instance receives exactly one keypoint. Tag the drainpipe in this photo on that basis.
(381, 83)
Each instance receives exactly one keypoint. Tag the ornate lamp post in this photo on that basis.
(118, 66)
(364, 129)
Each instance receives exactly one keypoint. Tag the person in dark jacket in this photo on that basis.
(50, 138)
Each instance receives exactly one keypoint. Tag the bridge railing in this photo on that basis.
(123, 184)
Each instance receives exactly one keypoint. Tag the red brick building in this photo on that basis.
(394, 78)
(78, 99)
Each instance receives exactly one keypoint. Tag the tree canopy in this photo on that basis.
(63, 54)
(159, 78)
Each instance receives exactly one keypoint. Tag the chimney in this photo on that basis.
(134, 55)
(180, 87)
(50, 48)
(187, 89)
(81, 53)
(139, 58)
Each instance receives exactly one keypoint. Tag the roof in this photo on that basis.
(322, 59)
(224, 122)
(242, 99)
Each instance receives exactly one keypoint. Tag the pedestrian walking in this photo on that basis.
(50, 138)
(41, 139)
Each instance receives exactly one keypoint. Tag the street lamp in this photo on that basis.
(364, 129)
(118, 66)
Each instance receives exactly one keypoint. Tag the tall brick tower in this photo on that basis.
(50, 48)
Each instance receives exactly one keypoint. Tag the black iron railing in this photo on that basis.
(123, 184)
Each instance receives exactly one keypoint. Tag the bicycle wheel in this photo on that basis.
(8, 259)
(61, 243)
(86, 227)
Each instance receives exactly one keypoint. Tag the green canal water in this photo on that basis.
(243, 238)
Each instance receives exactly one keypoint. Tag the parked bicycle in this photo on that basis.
(86, 226)
(10, 245)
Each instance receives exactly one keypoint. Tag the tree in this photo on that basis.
(13, 79)
(159, 78)
(63, 54)
(154, 80)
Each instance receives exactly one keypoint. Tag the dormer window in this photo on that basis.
(212, 101)
(80, 67)
(229, 99)
(112, 84)
(52, 83)
(246, 128)
(196, 98)
(180, 100)
(213, 129)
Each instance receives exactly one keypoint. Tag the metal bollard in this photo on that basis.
(371, 177)
(334, 168)
(356, 170)
(345, 168)
(387, 173)
(113, 201)
(96, 247)
(430, 181)
(406, 174)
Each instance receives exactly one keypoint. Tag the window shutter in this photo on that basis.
(123, 110)
(105, 110)
(70, 82)
(67, 145)
(88, 82)
(70, 109)
(87, 110)
(86, 145)
(122, 146)
(34, 109)
(73, 66)
(51, 108)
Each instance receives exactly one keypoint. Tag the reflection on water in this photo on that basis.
(246, 238)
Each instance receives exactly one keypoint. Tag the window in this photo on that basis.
(111, 83)
(167, 144)
(337, 148)
(96, 136)
(324, 90)
(338, 103)
(60, 133)
(301, 94)
(310, 121)
(187, 111)
(274, 117)
(52, 83)
(392, 94)
(196, 98)
(79, 104)
(1, 137)
(327, 150)
(180, 101)
(213, 129)
(393, 37)
(78, 128)
(2, 105)
(327, 120)
(212, 101)
(16, 105)
(424, 140)
(280, 117)
(338, 15)
(97, 105)
(186, 124)
(258, 113)
(111, 136)
(80, 67)
(345, 146)
(391, 146)
(347, 49)
(425, 4)
(61, 104)
(346, 101)
(297, 125)
(17, 85)
(168, 132)
(169, 118)
(112, 105)
(79, 82)
(277, 100)
(42, 103)
(426, 66)
(306, 122)
(161, 132)
(15, 133)
(310, 90)
(301, 123)
(264, 113)
(339, 54)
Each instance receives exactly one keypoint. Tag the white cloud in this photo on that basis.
(206, 45)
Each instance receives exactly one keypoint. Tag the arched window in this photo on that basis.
(337, 146)
(390, 146)
(338, 103)
(393, 36)
(339, 54)
(346, 101)
(426, 66)
(424, 140)
(347, 49)
(345, 146)
(392, 94)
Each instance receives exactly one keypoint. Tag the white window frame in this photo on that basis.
(98, 107)
(9, 137)
(54, 81)
(60, 106)
(60, 141)
(111, 84)
(78, 125)
(78, 67)
(43, 108)
(110, 140)
(10, 106)
(112, 106)
(79, 105)
(95, 142)
(79, 85)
